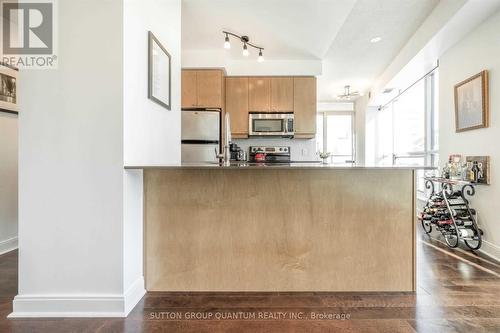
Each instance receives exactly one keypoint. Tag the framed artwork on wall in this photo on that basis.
(472, 103)
(8, 89)
(159, 72)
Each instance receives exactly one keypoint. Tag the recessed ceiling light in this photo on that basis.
(375, 40)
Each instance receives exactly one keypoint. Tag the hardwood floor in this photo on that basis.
(457, 292)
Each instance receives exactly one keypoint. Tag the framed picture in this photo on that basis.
(8, 89)
(472, 103)
(483, 163)
(159, 72)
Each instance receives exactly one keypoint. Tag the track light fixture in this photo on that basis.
(246, 42)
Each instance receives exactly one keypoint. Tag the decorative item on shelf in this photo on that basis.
(467, 173)
(324, 156)
(446, 169)
(8, 89)
(246, 43)
(482, 170)
(453, 170)
(471, 103)
(159, 72)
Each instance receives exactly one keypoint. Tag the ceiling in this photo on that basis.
(287, 29)
(353, 60)
(337, 32)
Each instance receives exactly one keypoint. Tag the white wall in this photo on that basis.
(71, 168)
(151, 133)
(371, 146)
(80, 229)
(8, 182)
(360, 107)
(9, 173)
(477, 51)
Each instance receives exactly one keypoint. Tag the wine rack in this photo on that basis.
(449, 211)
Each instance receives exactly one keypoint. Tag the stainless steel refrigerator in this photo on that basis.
(200, 135)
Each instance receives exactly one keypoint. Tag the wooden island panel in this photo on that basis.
(279, 230)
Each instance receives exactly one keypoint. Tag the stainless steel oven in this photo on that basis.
(270, 124)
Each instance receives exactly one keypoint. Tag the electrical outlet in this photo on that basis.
(304, 152)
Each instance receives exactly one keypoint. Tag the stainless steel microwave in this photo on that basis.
(270, 124)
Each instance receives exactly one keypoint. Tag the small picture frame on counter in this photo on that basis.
(8, 89)
(159, 72)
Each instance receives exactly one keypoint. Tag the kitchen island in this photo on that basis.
(294, 227)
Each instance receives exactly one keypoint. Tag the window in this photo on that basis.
(407, 128)
(335, 134)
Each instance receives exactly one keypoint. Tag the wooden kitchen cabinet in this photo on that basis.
(259, 94)
(282, 94)
(304, 106)
(272, 94)
(237, 105)
(203, 88)
(188, 85)
(209, 88)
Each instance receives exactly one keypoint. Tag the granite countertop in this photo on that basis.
(295, 165)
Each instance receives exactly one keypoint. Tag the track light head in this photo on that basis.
(227, 45)
(261, 57)
(245, 50)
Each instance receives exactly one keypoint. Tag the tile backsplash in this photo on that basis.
(301, 149)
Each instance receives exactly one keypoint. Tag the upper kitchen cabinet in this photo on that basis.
(282, 94)
(202, 88)
(189, 94)
(259, 94)
(272, 94)
(209, 87)
(237, 105)
(304, 106)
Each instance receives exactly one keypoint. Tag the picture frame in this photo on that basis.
(159, 72)
(484, 164)
(472, 103)
(9, 101)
